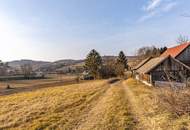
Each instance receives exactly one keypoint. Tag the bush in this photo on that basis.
(8, 87)
(107, 71)
(176, 101)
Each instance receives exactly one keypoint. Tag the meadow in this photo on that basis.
(17, 86)
(97, 105)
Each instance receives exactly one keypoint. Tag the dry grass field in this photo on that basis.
(150, 109)
(28, 85)
(49, 79)
(94, 105)
(97, 105)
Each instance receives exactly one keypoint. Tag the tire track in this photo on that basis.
(110, 112)
(85, 107)
(148, 119)
(84, 117)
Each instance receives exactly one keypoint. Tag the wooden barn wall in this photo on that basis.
(185, 56)
(145, 77)
(175, 70)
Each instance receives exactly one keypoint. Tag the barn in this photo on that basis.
(180, 52)
(172, 66)
(141, 64)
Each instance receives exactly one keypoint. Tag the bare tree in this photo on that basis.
(120, 69)
(182, 39)
(147, 51)
(27, 70)
(3, 68)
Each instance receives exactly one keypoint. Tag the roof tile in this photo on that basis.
(175, 51)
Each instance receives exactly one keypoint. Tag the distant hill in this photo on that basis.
(35, 64)
(60, 65)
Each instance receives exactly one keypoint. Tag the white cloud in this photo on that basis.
(157, 7)
(169, 6)
(147, 16)
(152, 5)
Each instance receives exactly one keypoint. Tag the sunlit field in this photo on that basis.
(97, 105)
(17, 86)
(48, 79)
(82, 106)
(156, 108)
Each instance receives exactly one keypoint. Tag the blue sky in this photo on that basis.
(58, 29)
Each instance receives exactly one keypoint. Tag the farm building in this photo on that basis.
(172, 65)
(181, 53)
(141, 63)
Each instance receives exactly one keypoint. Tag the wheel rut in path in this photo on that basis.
(110, 112)
(148, 119)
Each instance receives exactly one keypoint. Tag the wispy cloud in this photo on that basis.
(157, 7)
(147, 16)
(152, 5)
(169, 6)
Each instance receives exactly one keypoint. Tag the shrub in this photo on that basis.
(8, 87)
(177, 101)
(108, 70)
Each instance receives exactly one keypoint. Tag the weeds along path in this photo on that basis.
(51, 108)
(144, 107)
(111, 112)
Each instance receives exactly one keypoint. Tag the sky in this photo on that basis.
(51, 30)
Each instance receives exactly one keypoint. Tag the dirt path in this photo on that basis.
(110, 112)
(138, 110)
(145, 109)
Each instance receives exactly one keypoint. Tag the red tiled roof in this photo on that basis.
(175, 51)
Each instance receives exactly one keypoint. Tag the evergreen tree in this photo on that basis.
(122, 59)
(163, 49)
(93, 63)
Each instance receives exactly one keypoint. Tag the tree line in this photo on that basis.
(95, 66)
(147, 51)
(153, 51)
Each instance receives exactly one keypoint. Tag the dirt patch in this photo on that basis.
(114, 80)
(4, 91)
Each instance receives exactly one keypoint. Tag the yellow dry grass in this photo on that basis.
(51, 108)
(110, 113)
(94, 105)
(148, 110)
(29, 83)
